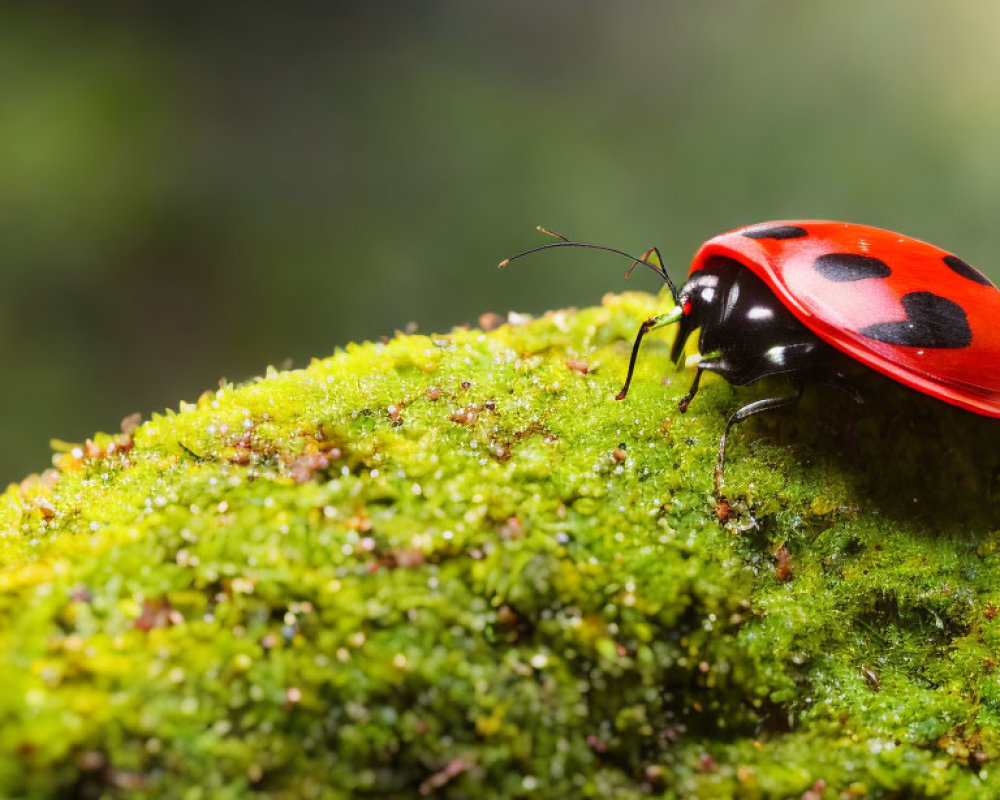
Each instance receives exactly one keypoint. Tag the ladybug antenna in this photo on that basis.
(649, 258)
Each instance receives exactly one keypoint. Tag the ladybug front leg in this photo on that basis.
(651, 324)
(749, 410)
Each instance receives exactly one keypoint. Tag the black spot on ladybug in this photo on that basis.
(966, 270)
(931, 321)
(777, 232)
(842, 267)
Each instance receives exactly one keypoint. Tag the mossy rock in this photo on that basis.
(453, 566)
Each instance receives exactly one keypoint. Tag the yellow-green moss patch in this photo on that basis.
(452, 565)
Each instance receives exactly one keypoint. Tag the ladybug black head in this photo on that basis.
(698, 300)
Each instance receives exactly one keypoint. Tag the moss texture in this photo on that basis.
(453, 566)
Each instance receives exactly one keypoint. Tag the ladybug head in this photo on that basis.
(697, 302)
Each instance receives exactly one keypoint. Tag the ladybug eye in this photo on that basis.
(687, 307)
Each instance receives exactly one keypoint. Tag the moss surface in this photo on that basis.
(454, 566)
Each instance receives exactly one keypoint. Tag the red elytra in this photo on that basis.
(837, 311)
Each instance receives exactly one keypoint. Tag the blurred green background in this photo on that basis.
(196, 191)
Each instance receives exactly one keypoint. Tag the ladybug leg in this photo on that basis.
(709, 361)
(839, 383)
(686, 399)
(749, 410)
(657, 321)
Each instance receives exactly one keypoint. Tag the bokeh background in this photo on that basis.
(191, 191)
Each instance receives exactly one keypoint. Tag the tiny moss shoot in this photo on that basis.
(453, 566)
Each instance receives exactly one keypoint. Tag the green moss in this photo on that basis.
(454, 565)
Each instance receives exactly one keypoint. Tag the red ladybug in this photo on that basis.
(795, 297)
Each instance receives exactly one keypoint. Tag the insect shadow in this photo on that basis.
(904, 454)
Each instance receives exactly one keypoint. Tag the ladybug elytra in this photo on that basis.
(804, 298)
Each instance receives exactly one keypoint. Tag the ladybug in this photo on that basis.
(805, 298)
